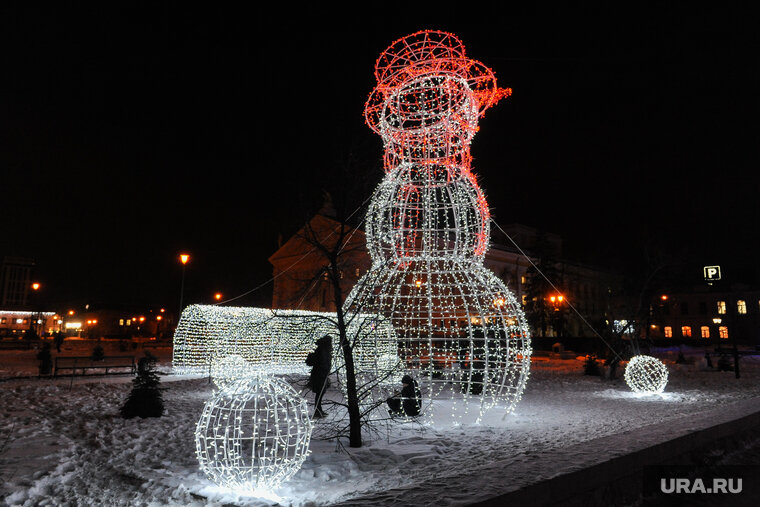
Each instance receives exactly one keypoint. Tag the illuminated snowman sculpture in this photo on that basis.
(461, 332)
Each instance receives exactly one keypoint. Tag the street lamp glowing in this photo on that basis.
(158, 317)
(36, 286)
(71, 312)
(664, 297)
(218, 296)
(183, 258)
(553, 299)
(560, 298)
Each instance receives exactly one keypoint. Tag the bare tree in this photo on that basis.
(338, 259)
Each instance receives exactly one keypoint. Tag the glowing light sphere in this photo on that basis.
(253, 435)
(646, 374)
(227, 370)
(461, 332)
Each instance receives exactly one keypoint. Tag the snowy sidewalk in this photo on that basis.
(576, 470)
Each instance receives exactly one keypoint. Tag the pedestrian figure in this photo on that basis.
(709, 360)
(408, 401)
(477, 361)
(58, 340)
(320, 361)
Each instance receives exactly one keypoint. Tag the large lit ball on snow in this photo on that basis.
(253, 435)
(646, 374)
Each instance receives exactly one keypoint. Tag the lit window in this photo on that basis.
(3, 320)
(722, 307)
(357, 272)
(705, 331)
(524, 300)
(668, 332)
(522, 280)
(723, 331)
(686, 331)
(741, 307)
(121, 322)
(129, 322)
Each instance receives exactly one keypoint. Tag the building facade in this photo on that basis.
(300, 282)
(707, 315)
(15, 282)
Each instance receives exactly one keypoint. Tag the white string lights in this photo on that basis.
(461, 332)
(253, 435)
(272, 341)
(646, 374)
(228, 370)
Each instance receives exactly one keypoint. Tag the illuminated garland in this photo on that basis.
(461, 332)
(253, 434)
(272, 341)
(228, 370)
(646, 374)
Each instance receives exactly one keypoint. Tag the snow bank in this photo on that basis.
(68, 446)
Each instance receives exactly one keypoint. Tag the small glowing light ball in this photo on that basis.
(253, 435)
(226, 370)
(646, 374)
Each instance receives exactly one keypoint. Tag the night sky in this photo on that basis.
(129, 134)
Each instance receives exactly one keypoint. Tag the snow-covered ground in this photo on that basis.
(66, 444)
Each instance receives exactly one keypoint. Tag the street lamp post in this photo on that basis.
(183, 258)
(35, 313)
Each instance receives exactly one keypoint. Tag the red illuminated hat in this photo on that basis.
(429, 52)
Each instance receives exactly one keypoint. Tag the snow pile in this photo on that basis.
(67, 444)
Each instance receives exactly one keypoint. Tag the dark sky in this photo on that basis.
(128, 134)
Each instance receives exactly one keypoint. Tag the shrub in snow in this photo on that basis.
(253, 434)
(145, 399)
(646, 374)
(591, 366)
(725, 363)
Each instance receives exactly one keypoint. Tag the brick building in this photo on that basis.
(300, 283)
